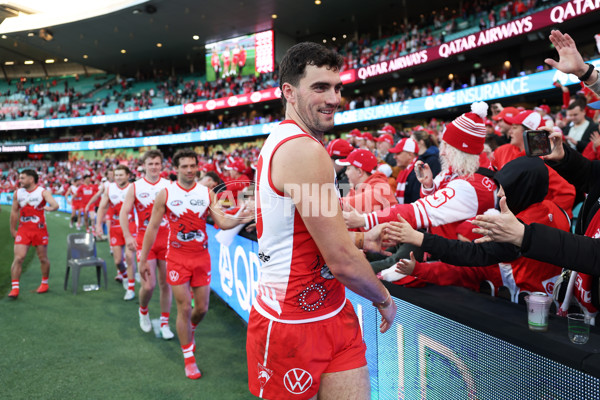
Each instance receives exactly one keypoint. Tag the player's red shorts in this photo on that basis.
(77, 205)
(159, 248)
(298, 354)
(182, 268)
(116, 236)
(32, 237)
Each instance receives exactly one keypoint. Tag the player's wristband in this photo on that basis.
(587, 75)
(384, 304)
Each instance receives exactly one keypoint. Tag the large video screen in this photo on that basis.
(252, 54)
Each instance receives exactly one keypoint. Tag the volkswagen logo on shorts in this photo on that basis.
(176, 203)
(173, 276)
(297, 381)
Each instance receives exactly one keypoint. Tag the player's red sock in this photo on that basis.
(14, 293)
(131, 284)
(191, 369)
(164, 319)
(43, 286)
(143, 310)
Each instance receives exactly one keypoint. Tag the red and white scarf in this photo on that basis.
(401, 181)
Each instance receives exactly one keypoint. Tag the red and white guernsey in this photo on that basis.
(31, 211)
(145, 194)
(116, 196)
(295, 284)
(186, 213)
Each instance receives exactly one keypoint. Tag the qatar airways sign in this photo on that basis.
(521, 26)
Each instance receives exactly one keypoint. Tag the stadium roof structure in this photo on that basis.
(170, 34)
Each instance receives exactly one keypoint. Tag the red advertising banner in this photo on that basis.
(232, 101)
(533, 22)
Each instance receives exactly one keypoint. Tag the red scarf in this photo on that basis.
(401, 180)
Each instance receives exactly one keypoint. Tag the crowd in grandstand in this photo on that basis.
(59, 99)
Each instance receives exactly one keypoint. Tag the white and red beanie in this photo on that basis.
(467, 132)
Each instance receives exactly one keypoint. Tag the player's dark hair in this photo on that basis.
(152, 154)
(184, 153)
(32, 173)
(293, 65)
(123, 168)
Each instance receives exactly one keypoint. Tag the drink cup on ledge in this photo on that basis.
(538, 305)
(579, 328)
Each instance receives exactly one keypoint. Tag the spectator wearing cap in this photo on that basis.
(366, 141)
(370, 190)
(429, 152)
(352, 136)
(339, 149)
(579, 127)
(560, 191)
(385, 142)
(544, 110)
(408, 187)
(456, 194)
(237, 181)
(503, 126)
(390, 130)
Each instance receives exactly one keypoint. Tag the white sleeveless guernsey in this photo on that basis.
(295, 284)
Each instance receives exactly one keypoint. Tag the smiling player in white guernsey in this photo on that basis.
(304, 339)
(186, 205)
(140, 196)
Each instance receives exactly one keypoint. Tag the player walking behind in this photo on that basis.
(141, 196)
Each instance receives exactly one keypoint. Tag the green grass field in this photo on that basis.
(89, 346)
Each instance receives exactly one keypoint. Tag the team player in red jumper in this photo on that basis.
(304, 339)
(186, 204)
(75, 202)
(85, 192)
(141, 195)
(29, 203)
(110, 205)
